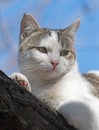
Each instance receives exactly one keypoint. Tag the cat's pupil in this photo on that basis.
(64, 52)
(42, 49)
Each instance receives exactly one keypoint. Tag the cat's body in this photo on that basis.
(48, 59)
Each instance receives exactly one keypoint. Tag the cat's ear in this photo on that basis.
(28, 25)
(71, 30)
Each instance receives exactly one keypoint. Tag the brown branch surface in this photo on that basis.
(20, 110)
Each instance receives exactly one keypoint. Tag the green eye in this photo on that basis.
(42, 49)
(64, 52)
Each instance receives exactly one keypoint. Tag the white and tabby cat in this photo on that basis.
(47, 58)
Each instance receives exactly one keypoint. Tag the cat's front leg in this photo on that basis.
(80, 115)
(21, 80)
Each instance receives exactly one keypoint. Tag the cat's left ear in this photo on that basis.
(72, 29)
(28, 25)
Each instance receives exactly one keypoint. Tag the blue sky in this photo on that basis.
(51, 14)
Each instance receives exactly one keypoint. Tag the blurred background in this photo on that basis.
(52, 14)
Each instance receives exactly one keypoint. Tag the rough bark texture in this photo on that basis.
(20, 110)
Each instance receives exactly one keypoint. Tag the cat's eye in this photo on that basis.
(42, 49)
(64, 52)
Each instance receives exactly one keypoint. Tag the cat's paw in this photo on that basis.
(21, 80)
(78, 114)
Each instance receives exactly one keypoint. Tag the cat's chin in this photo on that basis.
(52, 75)
(51, 71)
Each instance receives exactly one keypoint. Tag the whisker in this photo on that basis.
(29, 69)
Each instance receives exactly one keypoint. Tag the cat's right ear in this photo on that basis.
(28, 25)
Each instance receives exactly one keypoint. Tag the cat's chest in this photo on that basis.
(64, 90)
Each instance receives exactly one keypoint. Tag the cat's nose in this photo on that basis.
(54, 64)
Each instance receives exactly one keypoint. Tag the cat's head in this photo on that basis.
(46, 54)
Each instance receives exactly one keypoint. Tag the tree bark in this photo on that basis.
(20, 110)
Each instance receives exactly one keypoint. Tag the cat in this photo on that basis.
(49, 69)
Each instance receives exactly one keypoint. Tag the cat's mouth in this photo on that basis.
(53, 69)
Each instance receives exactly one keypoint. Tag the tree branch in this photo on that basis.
(20, 110)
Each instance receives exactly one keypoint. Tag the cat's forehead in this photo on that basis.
(51, 40)
(54, 39)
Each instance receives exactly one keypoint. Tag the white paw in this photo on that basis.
(78, 114)
(21, 80)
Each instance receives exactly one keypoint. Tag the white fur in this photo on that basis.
(83, 115)
(68, 93)
(51, 42)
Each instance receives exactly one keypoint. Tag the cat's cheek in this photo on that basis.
(64, 63)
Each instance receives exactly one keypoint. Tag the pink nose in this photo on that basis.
(54, 64)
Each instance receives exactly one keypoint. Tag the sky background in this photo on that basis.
(52, 14)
